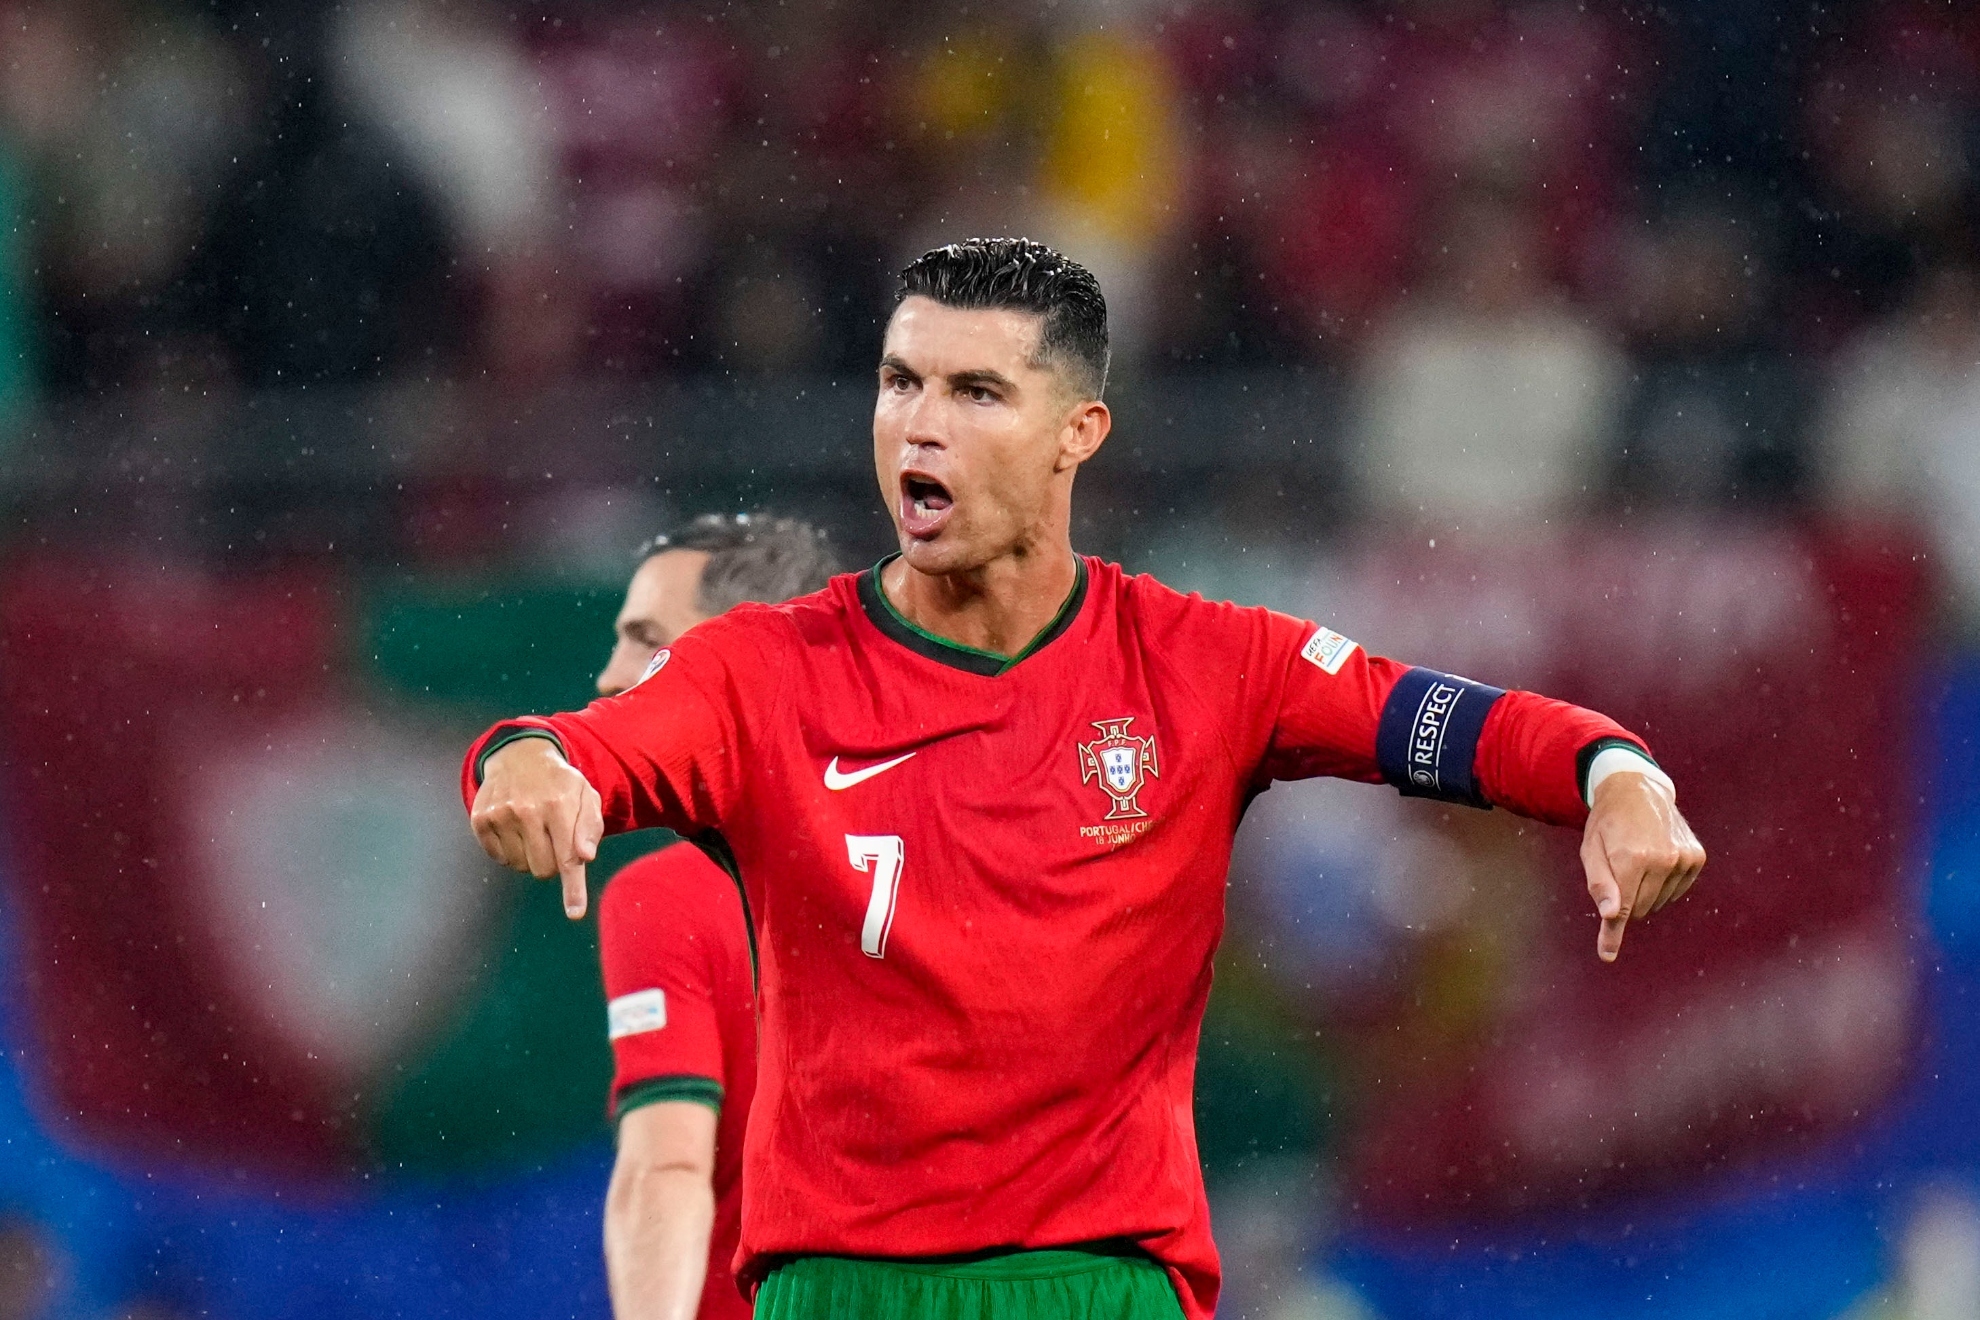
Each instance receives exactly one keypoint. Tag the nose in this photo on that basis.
(924, 429)
(614, 678)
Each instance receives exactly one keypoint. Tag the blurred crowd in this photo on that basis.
(1562, 252)
(1547, 258)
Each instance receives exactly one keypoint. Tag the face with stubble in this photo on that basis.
(975, 438)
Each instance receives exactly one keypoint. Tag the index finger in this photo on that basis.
(571, 871)
(586, 831)
(1609, 942)
(1607, 893)
(585, 836)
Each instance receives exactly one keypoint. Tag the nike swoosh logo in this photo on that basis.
(836, 781)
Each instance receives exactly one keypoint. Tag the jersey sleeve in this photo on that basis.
(657, 945)
(669, 750)
(1340, 711)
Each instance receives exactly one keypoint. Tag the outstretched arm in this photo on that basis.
(541, 791)
(1340, 711)
(660, 1210)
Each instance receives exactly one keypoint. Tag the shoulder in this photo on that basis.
(748, 628)
(823, 617)
(1220, 650)
(1150, 597)
(677, 887)
(675, 864)
(1158, 609)
(749, 640)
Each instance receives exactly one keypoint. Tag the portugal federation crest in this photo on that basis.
(1122, 764)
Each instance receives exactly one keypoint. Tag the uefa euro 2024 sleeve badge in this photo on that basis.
(1122, 764)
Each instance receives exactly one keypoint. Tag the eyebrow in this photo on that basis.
(961, 380)
(981, 376)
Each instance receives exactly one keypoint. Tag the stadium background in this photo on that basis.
(1628, 351)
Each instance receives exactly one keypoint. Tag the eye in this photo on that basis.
(979, 394)
(897, 381)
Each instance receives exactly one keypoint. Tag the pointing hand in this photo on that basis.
(536, 813)
(1639, 854)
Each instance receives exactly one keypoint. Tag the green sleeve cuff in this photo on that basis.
(684, 1086)
(1583, 762)
(515, 733)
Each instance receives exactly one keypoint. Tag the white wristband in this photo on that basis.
(1612, 759)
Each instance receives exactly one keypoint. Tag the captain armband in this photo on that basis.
(1427, 741)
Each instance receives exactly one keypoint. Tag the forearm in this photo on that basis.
(1534, 753)
(657, 1224)
(646, 772)
(576, 746)
(626, 800)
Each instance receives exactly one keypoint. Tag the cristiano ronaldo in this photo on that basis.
(980, 800)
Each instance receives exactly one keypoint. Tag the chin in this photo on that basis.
(928, 556)
(939, 556)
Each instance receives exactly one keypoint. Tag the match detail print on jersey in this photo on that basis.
(1328, 650)
(1427, 741)
(883, 855)
(641, 1011)
(838, 780)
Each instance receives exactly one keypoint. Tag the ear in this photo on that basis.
(1085, 430)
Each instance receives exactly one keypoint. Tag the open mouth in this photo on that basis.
(925, 504)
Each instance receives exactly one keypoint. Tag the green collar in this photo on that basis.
(954, 654)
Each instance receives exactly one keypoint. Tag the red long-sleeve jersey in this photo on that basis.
(986, 892)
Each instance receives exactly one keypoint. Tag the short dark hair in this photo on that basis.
(750, 557)
(1025, 276)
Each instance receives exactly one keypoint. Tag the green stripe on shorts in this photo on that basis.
(1019, 1285)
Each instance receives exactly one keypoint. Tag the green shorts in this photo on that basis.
(1023, 1285)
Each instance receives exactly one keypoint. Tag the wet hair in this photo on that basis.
(750, 557)
(1024, 276)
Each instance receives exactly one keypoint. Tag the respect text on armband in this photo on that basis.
(1433, 720)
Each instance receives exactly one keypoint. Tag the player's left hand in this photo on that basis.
(1639, 854)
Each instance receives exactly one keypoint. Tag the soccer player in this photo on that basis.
(981, 799)
(682, 1015)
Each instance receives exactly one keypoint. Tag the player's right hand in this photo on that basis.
(536, 813)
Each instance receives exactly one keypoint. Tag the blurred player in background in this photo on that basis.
(679, 978)
(982, 798)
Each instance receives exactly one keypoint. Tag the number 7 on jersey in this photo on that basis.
(883, 855)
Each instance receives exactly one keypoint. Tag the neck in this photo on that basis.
(999, 607)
